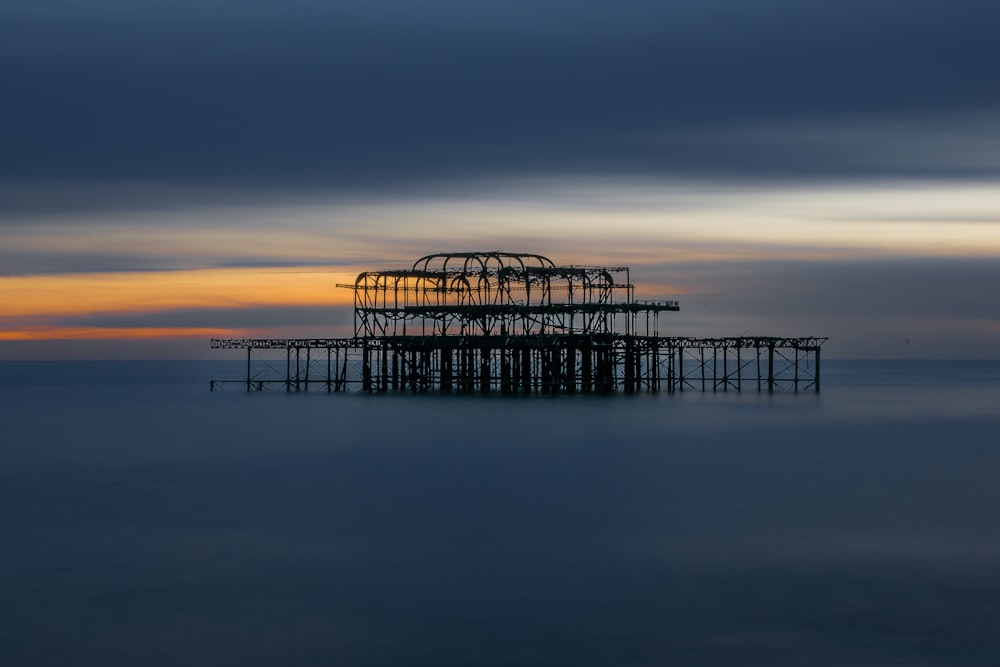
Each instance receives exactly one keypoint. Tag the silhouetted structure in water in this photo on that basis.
(518, 324)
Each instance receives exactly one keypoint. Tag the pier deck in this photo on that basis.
(536, 364)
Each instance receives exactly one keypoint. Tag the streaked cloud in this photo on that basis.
(388, 97)
(591, 220)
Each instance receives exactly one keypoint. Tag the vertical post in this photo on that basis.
(308, 360)
(629, 366)
(680, 367)
(555, 368)
(715, 367)
(336, 370)
(298, 373)
(739, 366)
(796, 367)
(515, 370)
(654, 360)
(445, 370)
(413, 371)
(484, 370)
(817, 369)
(770, 366)
(725, 367)
(249, 347)
(384, 369)
(366, 368)
(336, 367)
(504, 370)
(395, 369)
(288, 368)
(544, 368)
(426, 375)
(526, 370)
(329, 378)
(569, 370)
(638, 366)
(701, 349)
(757, 351)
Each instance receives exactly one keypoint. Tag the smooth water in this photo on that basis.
(146, 521)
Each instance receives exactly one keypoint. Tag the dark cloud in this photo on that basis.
(951, 288)
(16, 261)
(381, 96)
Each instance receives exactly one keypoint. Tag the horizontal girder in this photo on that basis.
(538, 340)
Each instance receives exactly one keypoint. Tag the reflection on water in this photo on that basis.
(151, 522)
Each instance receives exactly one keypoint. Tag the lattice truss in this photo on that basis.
(498, 293)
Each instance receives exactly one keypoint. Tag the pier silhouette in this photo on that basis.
(517, 323)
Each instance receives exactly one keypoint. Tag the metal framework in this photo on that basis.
(517, 324)
(498, 293)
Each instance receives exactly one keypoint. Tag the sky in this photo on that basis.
(174, 171)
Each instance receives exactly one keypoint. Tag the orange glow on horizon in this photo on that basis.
(33, 305)
(98, 333)
(47, 296)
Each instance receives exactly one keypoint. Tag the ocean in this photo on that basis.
(147, 521)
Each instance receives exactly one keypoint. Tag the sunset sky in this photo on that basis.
(176, 170)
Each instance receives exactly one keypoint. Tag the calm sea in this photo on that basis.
(146, 521)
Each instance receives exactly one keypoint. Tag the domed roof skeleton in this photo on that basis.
(498, 293)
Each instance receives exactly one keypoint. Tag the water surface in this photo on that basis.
(147, 521)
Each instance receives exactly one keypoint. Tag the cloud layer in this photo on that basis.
(396, 96)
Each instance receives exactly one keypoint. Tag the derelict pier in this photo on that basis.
(495, 322)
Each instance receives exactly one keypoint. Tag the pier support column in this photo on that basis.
(757, 352)
(505, 370)
(383, 380)
(484, 370)
(298, 371)
(569, 374)
(796, 369)
(395, 369)
(701, 349)
(816, 352)
(366, 369)
(426, 374)
(469, 370)
(725, 368)
(526, 370)
(413, 371)
(739, 367)
(770, 366)
(336, 370)
(308, 360)
(629, 366)
(680, 368)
